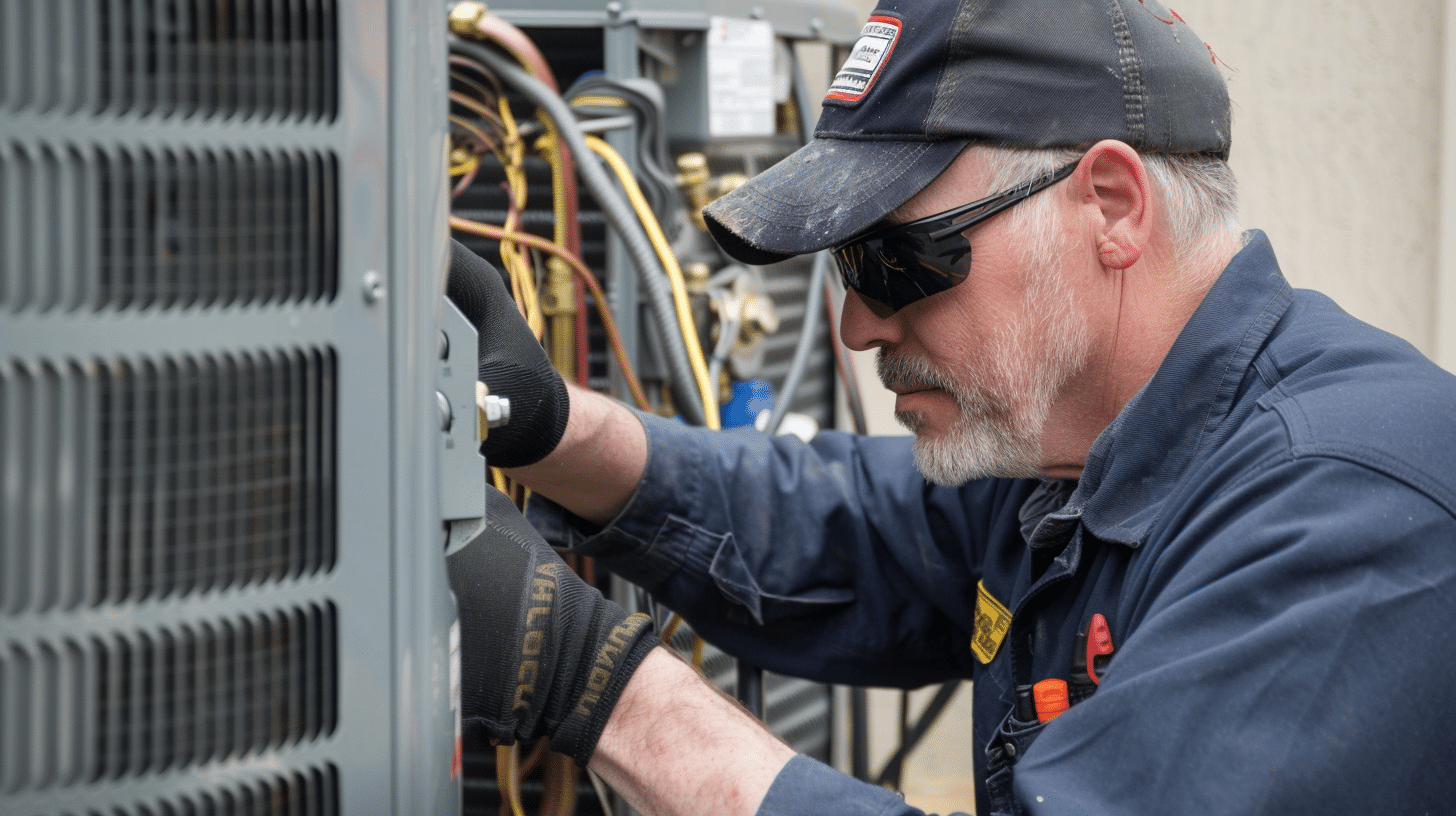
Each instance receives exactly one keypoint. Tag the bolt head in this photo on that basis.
(466, 16)
(373, 285)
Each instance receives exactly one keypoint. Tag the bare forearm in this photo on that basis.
(676, 745)
(598, 463)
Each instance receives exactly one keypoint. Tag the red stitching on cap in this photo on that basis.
(1176, 18)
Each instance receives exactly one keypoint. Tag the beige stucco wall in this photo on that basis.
(1338, 146)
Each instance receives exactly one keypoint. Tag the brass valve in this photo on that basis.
(699, 187)
(692, 179)
(465, 16)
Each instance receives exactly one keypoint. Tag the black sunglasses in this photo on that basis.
(902, 263)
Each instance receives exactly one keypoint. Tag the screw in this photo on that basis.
(373, 287)
(447, 414)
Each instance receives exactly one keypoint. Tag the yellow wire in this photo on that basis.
(523, 289)
(507, 760)
(561, 769)
(670, 628)
(464, 167)
(546, 146)
(674, 621)
(674, 275)
(523, 278)
(598, 101)
(515, 149)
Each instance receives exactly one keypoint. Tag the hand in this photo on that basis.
(512, 364)
(542, 653)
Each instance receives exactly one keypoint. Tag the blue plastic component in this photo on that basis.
(750, 397)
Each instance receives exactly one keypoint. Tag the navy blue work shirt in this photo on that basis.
(1267, 528)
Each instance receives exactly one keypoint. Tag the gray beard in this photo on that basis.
(991, 436)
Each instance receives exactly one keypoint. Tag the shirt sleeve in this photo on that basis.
(803, 555)
(1292, 654)
(808, 788)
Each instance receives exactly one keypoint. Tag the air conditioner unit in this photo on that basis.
(222, 584)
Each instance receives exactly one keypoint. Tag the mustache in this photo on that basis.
(899, 370)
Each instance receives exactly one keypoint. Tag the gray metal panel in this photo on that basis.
(462, 468)
(425, 742)
(200, 628)
(619, 61)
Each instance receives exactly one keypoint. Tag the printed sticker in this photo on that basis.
(993, 621)
(866, 60)
(740, 77)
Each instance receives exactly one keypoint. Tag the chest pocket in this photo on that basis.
(1011, 741)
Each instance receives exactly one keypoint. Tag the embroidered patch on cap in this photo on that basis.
(993, 621)
(866, 60)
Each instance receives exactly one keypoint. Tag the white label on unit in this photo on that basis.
(740, 77)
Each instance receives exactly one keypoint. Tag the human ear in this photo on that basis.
(1113, 185)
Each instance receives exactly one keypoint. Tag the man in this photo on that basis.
(1188, 531)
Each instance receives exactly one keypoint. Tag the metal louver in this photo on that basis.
(268, 59)
(171, 228)
(219, 587)
(188, 474)
(169, 698)
(129, 485)
(306, 792)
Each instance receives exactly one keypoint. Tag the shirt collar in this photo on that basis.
(1138, 459)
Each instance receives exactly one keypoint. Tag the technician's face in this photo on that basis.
(978, 368)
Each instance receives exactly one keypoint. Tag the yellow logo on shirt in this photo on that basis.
(993, 621)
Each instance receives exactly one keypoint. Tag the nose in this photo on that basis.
(866, 323)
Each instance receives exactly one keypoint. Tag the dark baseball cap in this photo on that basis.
(929, 77)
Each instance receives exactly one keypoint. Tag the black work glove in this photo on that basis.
(542, 653)
(512, 364)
